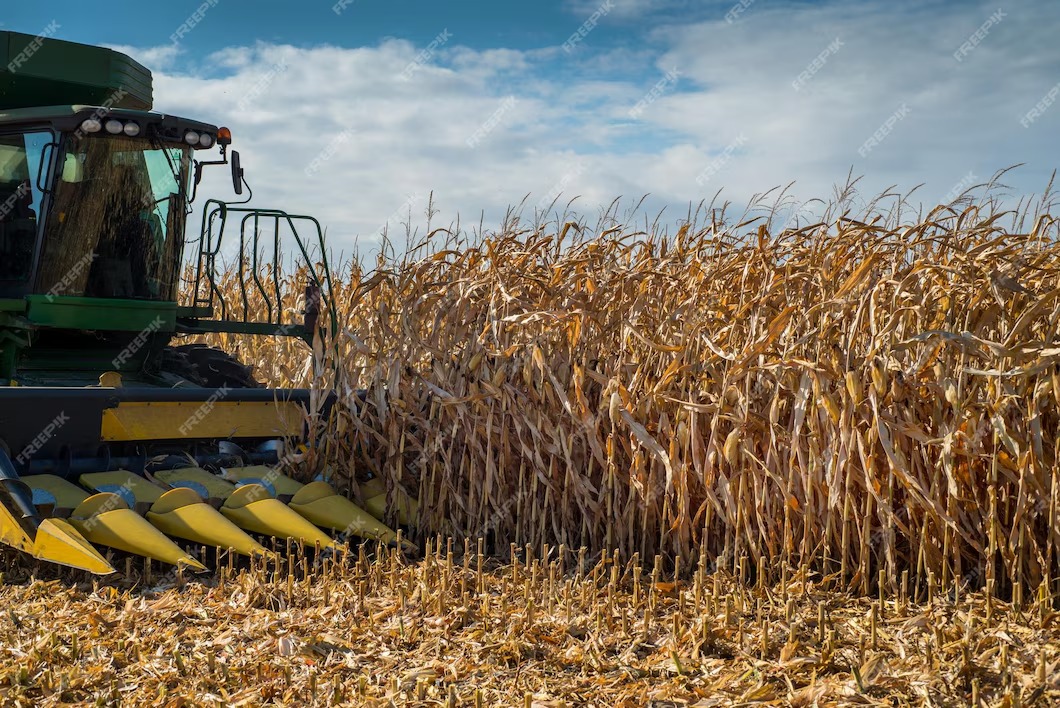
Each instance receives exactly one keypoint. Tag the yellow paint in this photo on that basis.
(173, 420)
(67, 494)
(142, 490)
(59, 542)
(55, 541)
(110, 379)
(106, 519)
(252, 509)
(182, 513)
(216, 487)
(318, 503)
(284, 485)
(374, 493)
(12, 533)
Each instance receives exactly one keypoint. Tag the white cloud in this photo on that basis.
(410, 136)
(962, 115)
(629, 9)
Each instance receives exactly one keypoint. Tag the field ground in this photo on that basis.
(450, 631)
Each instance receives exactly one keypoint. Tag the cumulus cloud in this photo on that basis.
(785, 92)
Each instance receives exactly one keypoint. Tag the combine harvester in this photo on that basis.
(110, 434)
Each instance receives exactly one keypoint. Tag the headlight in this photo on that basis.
(132, 129)
(206, 140)
(192, 138)
(92, 125)
(114, 127)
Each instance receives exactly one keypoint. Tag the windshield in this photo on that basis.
(117, 222)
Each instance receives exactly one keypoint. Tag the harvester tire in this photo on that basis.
(208, 367)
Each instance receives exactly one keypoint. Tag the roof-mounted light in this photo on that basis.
(206, 140)
(92, 125)
(224, 137)
(132, 129)
(191, 138)
(114, 126)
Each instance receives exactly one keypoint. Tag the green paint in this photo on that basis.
(101, 314)
(191, 326)
(40, 71)
(48, 84)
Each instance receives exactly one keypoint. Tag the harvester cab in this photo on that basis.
(112, 433)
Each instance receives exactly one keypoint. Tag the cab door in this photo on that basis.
(25, 167)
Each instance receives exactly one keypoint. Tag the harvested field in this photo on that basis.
(443, 632)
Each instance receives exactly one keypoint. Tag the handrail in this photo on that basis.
(215, 218)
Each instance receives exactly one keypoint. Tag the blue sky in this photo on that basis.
(513, 25)
(358, 112)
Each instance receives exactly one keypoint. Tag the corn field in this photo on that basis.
(745, 461)
(873, 397)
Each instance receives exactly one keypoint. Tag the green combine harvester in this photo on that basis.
(112, 434)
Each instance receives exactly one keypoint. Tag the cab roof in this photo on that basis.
(70, 118)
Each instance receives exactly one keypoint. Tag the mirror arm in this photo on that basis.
(250, 194)
(198, 172)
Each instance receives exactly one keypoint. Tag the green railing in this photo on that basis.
(260, 246)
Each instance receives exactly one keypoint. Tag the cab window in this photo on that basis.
(20, 201)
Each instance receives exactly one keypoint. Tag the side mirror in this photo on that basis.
(237, 173)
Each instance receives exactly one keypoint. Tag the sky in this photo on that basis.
(359, 111)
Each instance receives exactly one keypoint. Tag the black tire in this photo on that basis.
(208, 367)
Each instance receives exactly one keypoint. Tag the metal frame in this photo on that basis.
(207, 292)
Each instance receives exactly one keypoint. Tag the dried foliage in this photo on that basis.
(806, 465)
(548, 630)
(864, 396)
